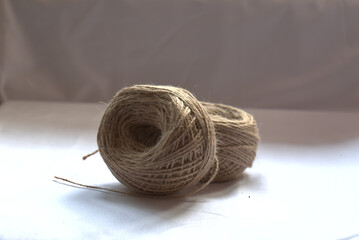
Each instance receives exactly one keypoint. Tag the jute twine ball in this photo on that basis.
(158, 140)
(237, 140)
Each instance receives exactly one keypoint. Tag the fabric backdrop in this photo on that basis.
(249, 53)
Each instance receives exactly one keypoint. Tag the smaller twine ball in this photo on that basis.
(158, 140)
(237, 140)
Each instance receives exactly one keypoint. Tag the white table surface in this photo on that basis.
(304, 183)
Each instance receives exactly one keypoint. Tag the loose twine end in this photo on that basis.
(124, 193)
(93, 187)
(89, 155)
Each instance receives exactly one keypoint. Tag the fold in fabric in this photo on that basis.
(248, 53)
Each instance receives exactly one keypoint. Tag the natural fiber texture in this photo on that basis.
(158, 140)
(237, 140)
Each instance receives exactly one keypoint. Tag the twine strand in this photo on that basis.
(133, 194)
(96, 188)
(89, 155)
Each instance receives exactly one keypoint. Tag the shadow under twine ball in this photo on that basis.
(158, 140)
(237, 140)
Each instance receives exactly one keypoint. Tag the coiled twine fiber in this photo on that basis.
(159, 140)
(237, 140)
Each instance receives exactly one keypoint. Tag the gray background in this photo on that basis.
(248, 53)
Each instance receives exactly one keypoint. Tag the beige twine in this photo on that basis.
(160, 140)
(157, 140)
(237, 140)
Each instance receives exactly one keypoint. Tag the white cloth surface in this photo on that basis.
(303, 185)
(301, 54)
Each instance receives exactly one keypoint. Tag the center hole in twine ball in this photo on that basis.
(145, 134)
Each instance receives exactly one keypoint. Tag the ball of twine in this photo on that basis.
(237, 140)
(158, 140)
